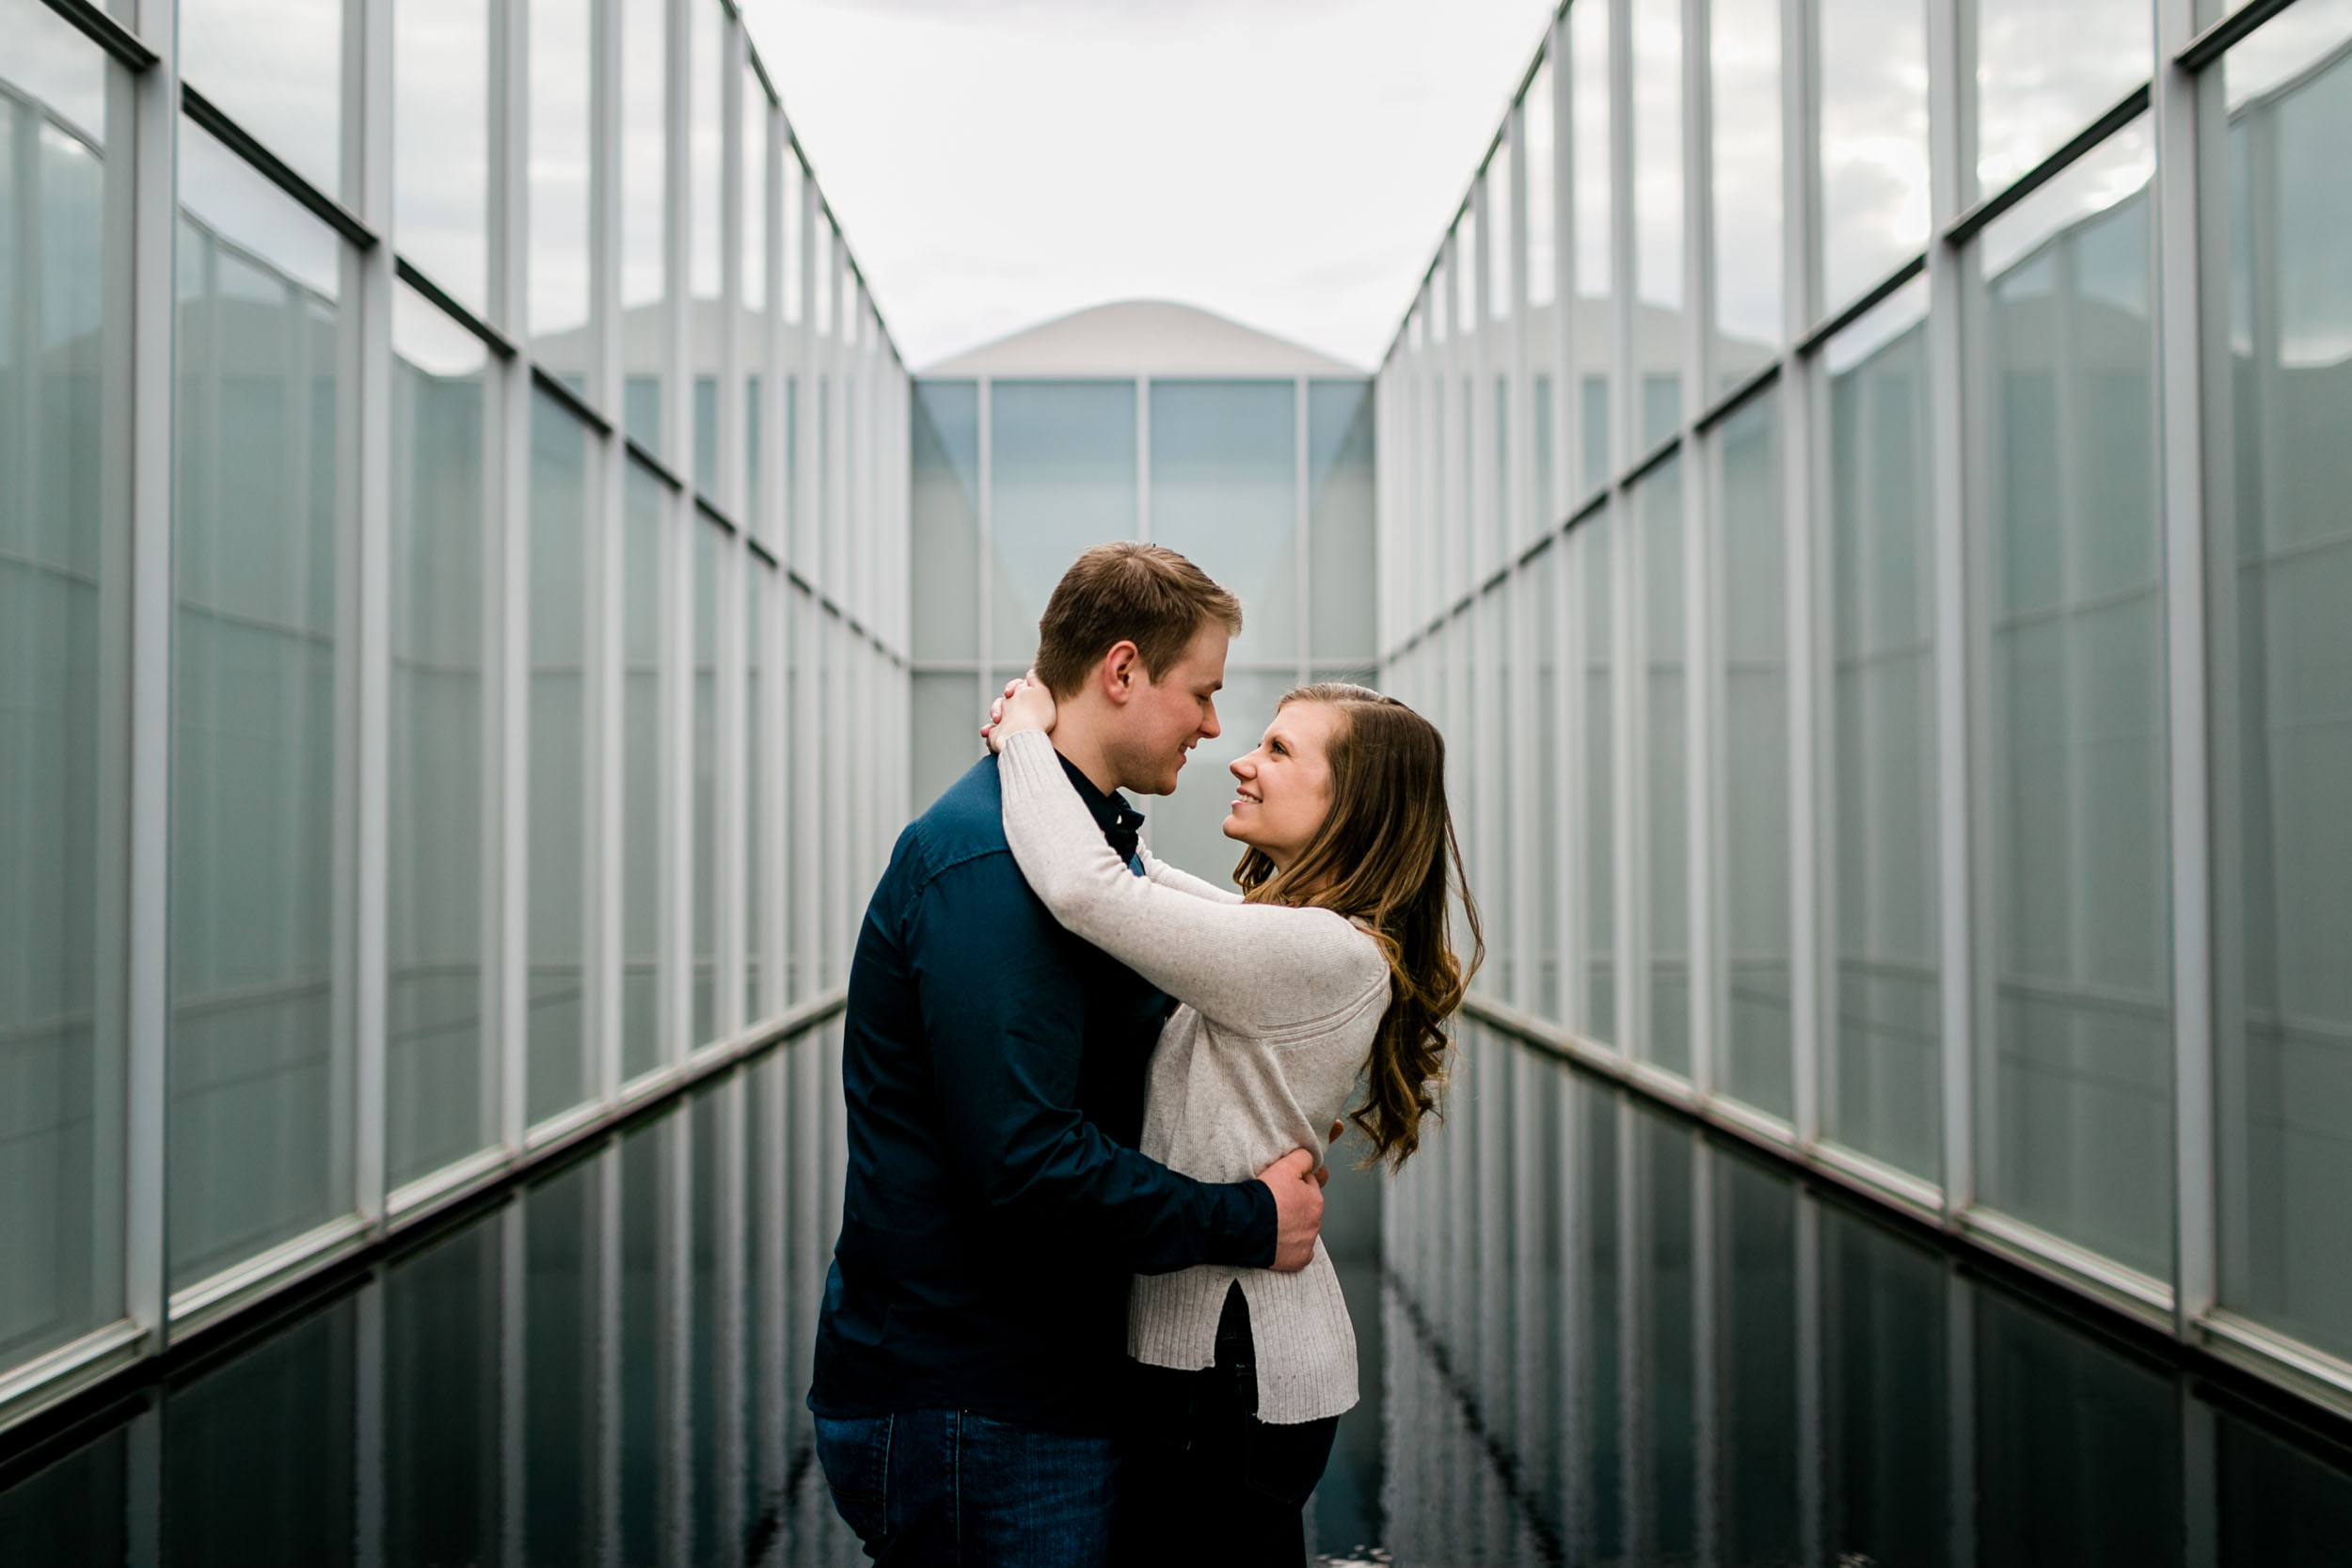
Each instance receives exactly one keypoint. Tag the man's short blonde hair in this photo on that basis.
(1125, 591)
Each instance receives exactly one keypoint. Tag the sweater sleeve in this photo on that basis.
(1252, 968)
(1184, 882)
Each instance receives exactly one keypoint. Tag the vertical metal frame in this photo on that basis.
(1802, 406)
(506, 713)
(1302, 522)
(605, 559)
(1698, 503)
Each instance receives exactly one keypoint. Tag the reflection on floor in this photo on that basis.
(1589, 1334)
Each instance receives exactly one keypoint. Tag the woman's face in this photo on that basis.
(1282, 790)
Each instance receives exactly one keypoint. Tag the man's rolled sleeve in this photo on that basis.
(1005, 1016)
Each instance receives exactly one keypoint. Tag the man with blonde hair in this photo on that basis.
(974, 1327)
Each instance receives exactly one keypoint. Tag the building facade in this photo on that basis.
(1860, 485)
(1145, 419)
(452, 559)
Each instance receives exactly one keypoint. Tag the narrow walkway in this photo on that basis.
(1590, 1335)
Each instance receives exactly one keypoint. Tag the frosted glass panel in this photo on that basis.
(1064, 476)
(1224, 494)
(60, 1127)
(1751, 759)
(1874, 141)
(1881, 1088)
(760, 824)
(439, 1082)
(708, 536)
(260, 1073)
(2043, 72)
(1665, 748)
(278, 70)
(1596, 738)
(948, 715)
(2075, 1103)
(2283, 696)
(1547, 809)
(560, 43)
(944, 441)
(643, 545)
(1341, 547)
(441, 143)
(558, 1072)
(646, 280)
(1743, 37)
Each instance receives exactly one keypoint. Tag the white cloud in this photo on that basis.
(1292, 165)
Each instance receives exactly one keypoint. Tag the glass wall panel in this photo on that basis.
(1744, 40)
(1341, 589)
(709, 540)
(2074, 1105)
(1751, 759)
(1224, 493)
(279, 71)
(2046, 72)
(705, 188)
(441, 144)
(757, 130)
(1874, 142)
(1658, 214)
(61, 577)
(2283, 691)
(1062, 466)
(558, 1072)
(759, 581)
(1666, 752)
(948, 711)
(561, 47)
(260, 1146)
(1597, 743)
(644, 253)
(645, 501)
(1589, 159)
(1881, 1089)
(1545, 808)
(944, 454)
(1538, 129)
(439, 1083)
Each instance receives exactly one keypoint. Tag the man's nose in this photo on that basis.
(1210, 728)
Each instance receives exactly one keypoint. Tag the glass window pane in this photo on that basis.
(2283, 695)
(557, 1072)
(1744, 37)
(437, 1084)
(644, 256)
(441, 144)
(2075, 1066)
(2297, 42)
(1062, 466)
(1543, 237)
(1665, 750)
(278, 70)
(1224, 493)
(645, 502)
(1657, 213)
(1500, 232)
(1874, 142)
(1881, 1089)
(1753, 757)
(260, 1082)
(708, 539)
(1588, 326)
(561, 40)
(947, 712)
(1341, 591)
(759, 152)
(944, 442)
(61, 1133)
(705, 152)
(2046, 72)
(1597, 831)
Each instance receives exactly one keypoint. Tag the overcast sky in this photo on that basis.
(1291, 163)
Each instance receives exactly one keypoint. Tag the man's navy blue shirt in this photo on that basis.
(994, 1067)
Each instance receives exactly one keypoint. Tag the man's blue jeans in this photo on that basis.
(964, 1491)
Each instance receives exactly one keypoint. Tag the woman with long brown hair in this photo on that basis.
(1334, 965)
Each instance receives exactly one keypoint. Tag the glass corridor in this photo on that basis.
(1590, 1333)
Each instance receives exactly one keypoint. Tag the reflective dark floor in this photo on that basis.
(1589, 1336)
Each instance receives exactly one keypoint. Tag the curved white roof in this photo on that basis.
(1141, 337)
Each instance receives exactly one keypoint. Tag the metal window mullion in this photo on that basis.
(1629, 658)
(369, 61)
(1301, 523)
(1801, 404)
(1948, 521)
(2194, 370)
(605, 621)
(733, 486)
(1478, 427)
(506, 717)
(674, 792)
(1523, 514)
(1699, 495)
(148, 286)
(1572, 806)
(1521, 722)
(1565, 456)
(728, 794)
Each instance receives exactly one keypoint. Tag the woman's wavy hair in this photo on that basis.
(1387, 855)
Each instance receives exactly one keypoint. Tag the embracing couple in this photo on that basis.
(1078, 1312)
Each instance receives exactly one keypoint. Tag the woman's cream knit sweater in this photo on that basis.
(1279, 1008)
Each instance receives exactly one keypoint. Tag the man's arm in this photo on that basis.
(1003, 1017)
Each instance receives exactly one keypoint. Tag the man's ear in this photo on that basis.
(1121, 672)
